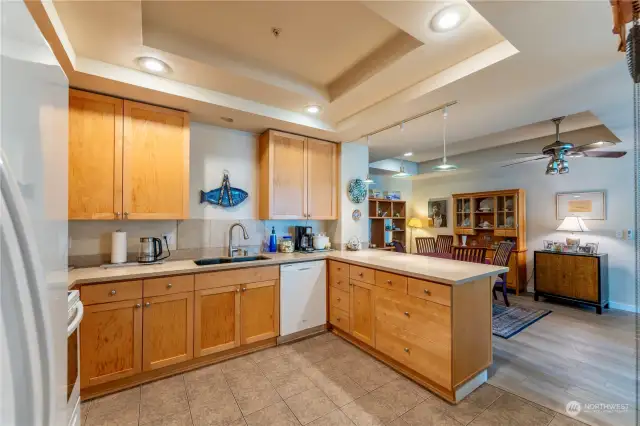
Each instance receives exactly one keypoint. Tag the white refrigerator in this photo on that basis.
(33, 225)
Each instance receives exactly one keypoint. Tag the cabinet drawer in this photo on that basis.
(339, 298)
(91, 294)
(340, 282)
(236, 276)
(339, 318)
(359, 273)
(432, 292)
(427, 320)
(391, 281)
(338, 269)
(168, 285)
(432, 361)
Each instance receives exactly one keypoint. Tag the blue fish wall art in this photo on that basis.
(225, 195)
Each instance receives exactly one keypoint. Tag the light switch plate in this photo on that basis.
(619, 235)
(629, 235)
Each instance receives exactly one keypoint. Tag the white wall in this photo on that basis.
(354, 163)
(615, 177)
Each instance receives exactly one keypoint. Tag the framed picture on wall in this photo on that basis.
(438, 213)
(587, 205)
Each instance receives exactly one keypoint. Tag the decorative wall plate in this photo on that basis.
(356, 215)
(357, 191)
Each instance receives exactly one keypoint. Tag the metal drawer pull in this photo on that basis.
(148, 304)
(113, 292)
(338, 319)
(407, 350)
(338, 282)
(427, 292)
(388, 281)
(138, 305)
(361, 274)
(169, 285)
(406, 314)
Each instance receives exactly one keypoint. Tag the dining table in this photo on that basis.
(446, 256)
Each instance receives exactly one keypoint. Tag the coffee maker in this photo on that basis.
(303, 238)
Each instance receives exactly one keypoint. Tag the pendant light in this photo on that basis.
(444, 167)
(368, 180)
(401, 173)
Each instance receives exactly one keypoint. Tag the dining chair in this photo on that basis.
(470, 254)
(399, 246)
(501, 258)
(425, 245)
(444, 243)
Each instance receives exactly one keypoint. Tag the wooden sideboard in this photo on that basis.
(574, 276)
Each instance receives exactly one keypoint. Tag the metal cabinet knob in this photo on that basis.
(138, 305)
(338, 282)
(361, 274)
(244, 289)
(338, 319)
(126, 214)
(147, 304)
(237, 290)
(407, 314)
(407, 350)
(169, 285)
(117, 214)
(427, 292)
(338, 299)
(112, 292)
(388, 281)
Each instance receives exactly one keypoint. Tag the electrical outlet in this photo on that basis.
(619, 235)
(169, 237)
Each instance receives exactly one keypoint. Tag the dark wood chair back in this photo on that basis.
(444, 243)
(425, 244)
(399, 246)
(503, 253)
(470, 254)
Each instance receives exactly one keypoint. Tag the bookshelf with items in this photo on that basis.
(486, 218)
(387, 222)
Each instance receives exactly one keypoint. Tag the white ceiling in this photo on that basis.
(369, 64)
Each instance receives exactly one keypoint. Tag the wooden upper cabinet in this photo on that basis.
(110, 342)
(155, 183)
(95, 156)
(322, 176)
(168, 330)
(298, 177)
(259, 311)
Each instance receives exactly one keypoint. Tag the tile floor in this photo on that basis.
(322, 381)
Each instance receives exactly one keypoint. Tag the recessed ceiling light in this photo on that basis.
(153, 65)
(449, 18)
(408, 154)
(227, 119)
(313, 109)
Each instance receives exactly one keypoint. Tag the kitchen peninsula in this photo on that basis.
(428, 318)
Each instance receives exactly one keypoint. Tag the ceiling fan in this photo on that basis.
(558, 152)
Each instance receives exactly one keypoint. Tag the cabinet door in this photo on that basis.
(552, 275)
(584, 278)
(361, 320)
(217, 320)
(95, 156)
(260, 311)
(110, 342)
(168, 330)
(322, 172)
(287, 177)
(155, 182)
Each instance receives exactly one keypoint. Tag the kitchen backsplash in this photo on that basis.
(90, 241)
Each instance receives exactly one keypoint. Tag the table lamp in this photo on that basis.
(414, 222)
(572, 224)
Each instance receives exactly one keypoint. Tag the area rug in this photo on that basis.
(509, 321)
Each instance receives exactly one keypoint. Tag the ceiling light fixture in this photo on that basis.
(313, 109)
(552, 168)
(449, 18)
(401, 173)
(444, 167)
(368, 180)
(408, 154)
(153, 65)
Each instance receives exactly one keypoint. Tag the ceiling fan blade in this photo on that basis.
(526, 161)
(605, 154)
(592, 145)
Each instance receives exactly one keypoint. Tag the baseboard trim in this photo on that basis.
(624, 307)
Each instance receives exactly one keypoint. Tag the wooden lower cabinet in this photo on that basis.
(110, 342)
(361, 313)
(217, 320)
(167, 331)
(259, 311)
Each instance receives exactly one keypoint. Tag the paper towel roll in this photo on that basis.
(118, 247)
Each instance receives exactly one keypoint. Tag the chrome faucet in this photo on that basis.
(244, 234)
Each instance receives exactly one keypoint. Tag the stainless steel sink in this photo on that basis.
(221, 260)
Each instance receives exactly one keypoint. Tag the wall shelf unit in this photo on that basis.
(486, 218)
(387, 222)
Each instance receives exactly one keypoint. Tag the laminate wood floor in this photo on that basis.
(571, 355)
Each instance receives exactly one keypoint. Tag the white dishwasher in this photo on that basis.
(303, 296)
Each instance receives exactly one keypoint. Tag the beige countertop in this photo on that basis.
(444, 271)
